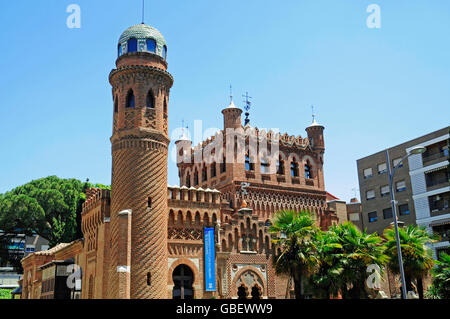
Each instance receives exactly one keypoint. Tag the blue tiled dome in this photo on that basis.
(148, 39)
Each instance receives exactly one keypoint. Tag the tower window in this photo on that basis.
(165, 53)
(130, 99)
(308, 170)
(165, 106)
(188, 180)
(132, 45)
(223, 165)
(151, 45)
(213, 170)
(280, 166)
(248, 164)
(204, 174)
(150, 100)
(149, 279)
(294, 168)
(149, 202)
(195, 178)
(116, 105)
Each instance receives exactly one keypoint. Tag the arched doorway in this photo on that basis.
(183, 278)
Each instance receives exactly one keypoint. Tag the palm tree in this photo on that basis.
(416, 254)
(326, 278)
(295, 251)
(440, 288)
(357, 251)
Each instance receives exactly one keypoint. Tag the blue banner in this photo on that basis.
(210, 259)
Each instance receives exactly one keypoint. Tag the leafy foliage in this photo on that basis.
(47, 206)
(440, 288)
(5, 293)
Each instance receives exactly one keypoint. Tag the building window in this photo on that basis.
(373, 217)
(401, 186)
(280, 166)
(204, 174)
(116, 105)
(397, 161)
(150, 100)
(149, 279)
(439, 202)
(188, 180)
(403, 209)
(213, 169)
(223, 165)
(387, 213)
(130, 99)
(382, 168)
(45, 247)
(384, 190)
(294, 168)
(265, 166)
(195, 178)
(368, 173)
(370, 194)
(149, 202)
(132, 45)
(30, 249)
(165, 53)
(165, 106)
(248, 165)
(151, 45)
(308, 170)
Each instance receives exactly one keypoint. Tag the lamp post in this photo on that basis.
(413, 151)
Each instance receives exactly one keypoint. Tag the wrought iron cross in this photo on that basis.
(247, 107)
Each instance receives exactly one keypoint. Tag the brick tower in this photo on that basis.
(140, 87)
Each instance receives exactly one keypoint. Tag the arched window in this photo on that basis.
(119, 50)
(149, 279)
(204, 174)
(116, 105)
(188, 180)
(223, 165)
(213, 169)
(294, 168)
(308, 170)
(280, 166)
(150, 100)
(165, 53)
(132, 45)
(248, 164)
(130, 99)
(196, 178)
(151, 45)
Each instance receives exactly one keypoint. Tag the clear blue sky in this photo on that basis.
(372, 88)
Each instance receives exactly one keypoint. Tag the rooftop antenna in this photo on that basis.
(247, 107)
(143, 11)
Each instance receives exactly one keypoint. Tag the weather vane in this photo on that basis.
(247, 107)
(313, 115)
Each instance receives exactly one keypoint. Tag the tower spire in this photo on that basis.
(231, 93)
(313, 114)
(143, 11)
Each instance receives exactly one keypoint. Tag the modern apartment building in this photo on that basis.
(429, 174)
(421, 186)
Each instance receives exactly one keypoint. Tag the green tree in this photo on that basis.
(48, 207)
(294, 246)
(354, 251)
(416, 254)
(326, 279)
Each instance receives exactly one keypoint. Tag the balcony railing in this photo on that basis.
(435, 156)
(437, 181)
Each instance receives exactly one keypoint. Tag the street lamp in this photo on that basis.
(414, 151)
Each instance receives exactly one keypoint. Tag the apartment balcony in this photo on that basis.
(437, 179)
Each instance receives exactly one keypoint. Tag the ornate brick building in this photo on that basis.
(145, 239)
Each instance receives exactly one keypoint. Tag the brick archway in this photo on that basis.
(190, 264)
